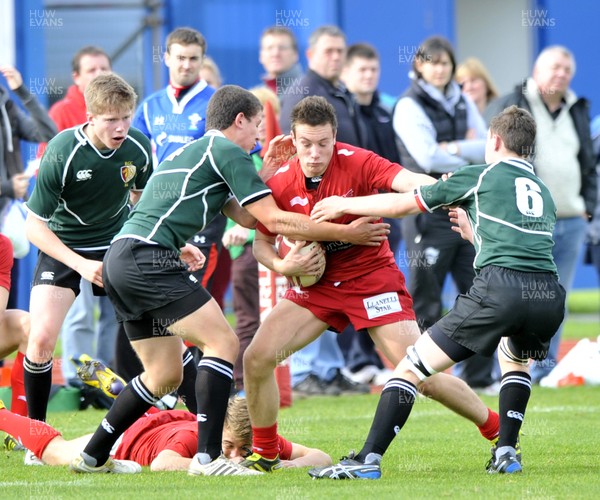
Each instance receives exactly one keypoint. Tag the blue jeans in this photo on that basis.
(569, 235)
(322, 357)
(79, 336)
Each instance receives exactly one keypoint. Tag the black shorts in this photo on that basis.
(149, 287)
(526, 307)
(49, 271)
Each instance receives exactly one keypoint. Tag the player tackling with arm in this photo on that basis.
(516, 301)
(159, 301)
(361, 284)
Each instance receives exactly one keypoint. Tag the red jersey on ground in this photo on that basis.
(352, 171)
(175, 430)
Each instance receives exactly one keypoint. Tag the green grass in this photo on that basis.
(583, 320)
(437, 455)
(584, 301)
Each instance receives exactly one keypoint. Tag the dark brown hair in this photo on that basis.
(313, 111)
(88, 50)
(517, 129)
(431, 51)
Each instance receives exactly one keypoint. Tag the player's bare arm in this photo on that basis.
(134, 196)
(380, 205)
(44, 238)
(303, 456)
(239, 214)
(406, 181)
(169, 460)
(385, 205)
(293, 264)
(299, 227)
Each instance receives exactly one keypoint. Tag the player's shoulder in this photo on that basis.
(137, 136)
(348, 154)
(65, 139)
(220, 145)
(206, 91)
(283, 175)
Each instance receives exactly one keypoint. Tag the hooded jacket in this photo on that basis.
(15, 126)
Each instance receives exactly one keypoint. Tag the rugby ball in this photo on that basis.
(284, 245)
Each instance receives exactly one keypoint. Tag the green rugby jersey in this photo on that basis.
(83, 192)
(511, 211)
(189, 188)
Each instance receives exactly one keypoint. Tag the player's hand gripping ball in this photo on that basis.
(284, 245)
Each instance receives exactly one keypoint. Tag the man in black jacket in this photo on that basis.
(17, 126)
(564, 160)
(326, 56)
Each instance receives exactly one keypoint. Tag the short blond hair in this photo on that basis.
(109, 93)
(474, 68)
(237, 419)
(209, 64)
(265, 94)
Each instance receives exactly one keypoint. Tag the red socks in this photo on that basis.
(18, 403)
(491, 429)
(265, 441)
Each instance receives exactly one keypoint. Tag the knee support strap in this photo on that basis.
(506, 352)
(418, 365)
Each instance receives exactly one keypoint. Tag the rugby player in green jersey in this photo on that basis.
(86, 180)
(159, 301)
(516, 302)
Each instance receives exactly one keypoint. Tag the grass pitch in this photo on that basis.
(437, 455)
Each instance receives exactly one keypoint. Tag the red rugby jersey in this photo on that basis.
(352, 171)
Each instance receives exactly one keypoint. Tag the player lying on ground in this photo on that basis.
(516, 301)
(164, 440)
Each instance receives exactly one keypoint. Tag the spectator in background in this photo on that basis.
(564, 160)
(326, 55)
(475, 82)
(79, 335)
(279, 58)
(593, 256)
(210, 73)
(17, 126)
(439, 130)
(316, 369)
